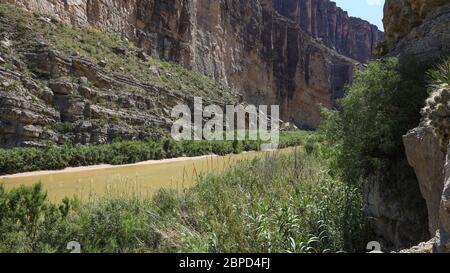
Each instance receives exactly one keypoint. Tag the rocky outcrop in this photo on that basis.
(444, 213)
(421, 29)
(427, 158)
(401, 16)
(418, 28)
(73, 99)
(261, 54)
(64, 110)
(396, 211)
(350, 36)
(428, 151)
(417, 31)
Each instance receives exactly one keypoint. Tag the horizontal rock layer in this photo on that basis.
(267, 57)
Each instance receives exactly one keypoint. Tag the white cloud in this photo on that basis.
(374, 2)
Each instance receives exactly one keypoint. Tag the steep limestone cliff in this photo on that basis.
(322, 19)
(246, 44)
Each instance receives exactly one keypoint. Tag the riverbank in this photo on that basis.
(52, 157)
(142, 179)
(103, 167)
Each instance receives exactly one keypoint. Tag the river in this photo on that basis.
(140, 179)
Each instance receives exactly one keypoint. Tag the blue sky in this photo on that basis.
(370, 10)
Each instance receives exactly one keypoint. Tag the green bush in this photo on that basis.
(381, 105)
(364, 140)
(26, 218)
(119, 152)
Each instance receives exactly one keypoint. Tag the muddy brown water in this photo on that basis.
(140, 179)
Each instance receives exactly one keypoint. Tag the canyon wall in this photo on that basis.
(420, 30)
(266, 57)
(408, 210)
(322, 19)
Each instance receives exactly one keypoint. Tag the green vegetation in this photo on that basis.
(100, 46)
(437, 109)
(364, 140)
(307, 201)
(379, 108)
(280, 203)
(54, 157)
(440, 74)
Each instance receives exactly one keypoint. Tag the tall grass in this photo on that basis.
(280, 203)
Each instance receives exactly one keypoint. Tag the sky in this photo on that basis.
(370, 10)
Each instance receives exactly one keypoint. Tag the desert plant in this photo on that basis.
(437, 109)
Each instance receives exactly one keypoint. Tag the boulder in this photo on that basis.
(102, 63)
(120, 50)
(47, 95)
(86, 92)
(61, 87)
(142, 55)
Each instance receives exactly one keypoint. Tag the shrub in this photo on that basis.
(366, 136)
(437, 109)
(379, 108)
(120, 152)
(23, 213)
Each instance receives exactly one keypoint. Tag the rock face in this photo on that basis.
(263, 55)
(421, 29)
(401, 16)
(418, 28)
(396, 211)
(431, 161)
(435, 186)
(350, 36)
(32, 114)
(427, 158)
(444, 214)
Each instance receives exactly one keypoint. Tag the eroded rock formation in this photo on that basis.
(427, 158)
(418, 28)
(421, 29)
(265, 56)
(350, 36)
(444, 213)
(428, 151)
(82, 103)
